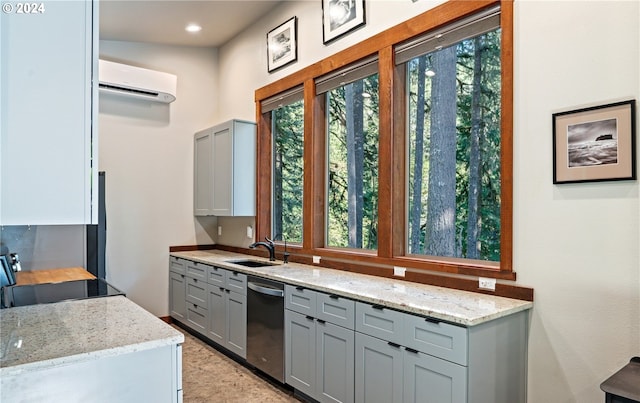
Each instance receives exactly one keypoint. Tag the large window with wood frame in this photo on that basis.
(453, 113)
(410, 164)
(287, 129)
(352, 155)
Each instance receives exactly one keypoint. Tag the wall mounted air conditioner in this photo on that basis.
(131, 81)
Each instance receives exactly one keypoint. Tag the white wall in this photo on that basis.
(576, 245)
(146, 150)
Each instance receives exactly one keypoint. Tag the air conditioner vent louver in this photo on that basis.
(115, 87)
(131, 81)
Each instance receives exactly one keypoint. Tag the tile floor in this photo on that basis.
(210, 376)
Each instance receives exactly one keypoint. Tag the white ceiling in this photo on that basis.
(160, 21)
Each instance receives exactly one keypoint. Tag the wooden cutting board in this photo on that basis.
(52, 275)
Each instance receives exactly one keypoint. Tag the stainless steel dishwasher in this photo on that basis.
(265, 326)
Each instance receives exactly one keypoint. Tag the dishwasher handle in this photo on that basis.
(265, 289)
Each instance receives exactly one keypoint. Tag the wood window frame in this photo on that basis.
(392, 147)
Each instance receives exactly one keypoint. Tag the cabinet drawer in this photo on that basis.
(177, 265)
(197, 270)
(196, 291)
(197, 317)
(215, 276)
(380, 322)
(300, 299)
(438, 339)
(334, 309)
(236, 282)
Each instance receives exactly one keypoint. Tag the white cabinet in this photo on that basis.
(224, 170)
(319, 344)
(48, 130)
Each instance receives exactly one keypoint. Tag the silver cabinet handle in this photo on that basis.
(262, 289)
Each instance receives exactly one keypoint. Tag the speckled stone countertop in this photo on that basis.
(462, 307)
(43, 336)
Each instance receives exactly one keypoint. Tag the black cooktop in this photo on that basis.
(33, 294)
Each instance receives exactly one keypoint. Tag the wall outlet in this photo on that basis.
(487, 283)
(399, 271)
(219, 230)
(316, 259)
(249, 232)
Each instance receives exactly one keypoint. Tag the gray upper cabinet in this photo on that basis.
(48, 134)
(224, 170)
(203, 173)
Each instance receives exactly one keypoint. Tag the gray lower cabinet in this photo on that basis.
(402, 357)
(429, 379)
(177, 289)
(340, 350)
(227, 299)
(210, 300)
(379, 370)
(196, 296)
(319, 344)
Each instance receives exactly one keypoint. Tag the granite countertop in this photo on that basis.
(43, 336)
(455, 306)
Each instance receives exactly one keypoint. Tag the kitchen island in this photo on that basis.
(99, 350)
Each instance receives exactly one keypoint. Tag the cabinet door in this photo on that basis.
(222, 171)
(177, 300)
(203, 173)
(237, 323)
(217, 321)
(300, 351)
(378, 369)
(335, 363)
(429, 379)
(47, 139)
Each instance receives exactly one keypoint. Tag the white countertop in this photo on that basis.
(42, 336)
(462, 307)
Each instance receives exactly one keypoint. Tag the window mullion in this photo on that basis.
(314, 166)
(385, 156)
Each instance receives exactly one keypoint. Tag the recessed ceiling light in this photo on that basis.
(193, 28)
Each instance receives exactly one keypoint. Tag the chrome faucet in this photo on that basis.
(269, 245)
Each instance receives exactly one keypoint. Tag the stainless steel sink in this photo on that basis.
(252, 263)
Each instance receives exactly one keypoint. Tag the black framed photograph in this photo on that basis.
(595, 144)
(340, 17)
(282, 45)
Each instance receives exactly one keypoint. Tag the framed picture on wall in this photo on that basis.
(282, 45)
(340, 17)
(595, 144)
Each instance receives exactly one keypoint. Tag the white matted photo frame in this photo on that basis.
(340, 17)
(282, 45)
(595, 144)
